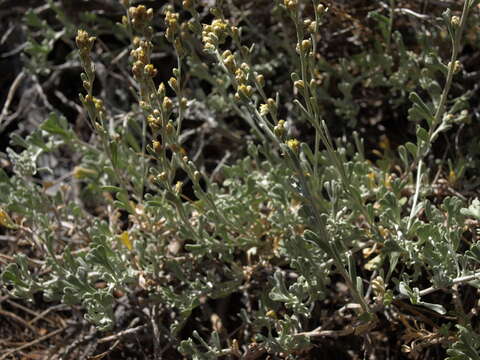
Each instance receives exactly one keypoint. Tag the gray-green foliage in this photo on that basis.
(280, 224)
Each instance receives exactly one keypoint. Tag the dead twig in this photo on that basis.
(121, 334)
(11, 93)
(253, 352)
(44, 313)
(31, 312)
(18, 319)
(318, 332)
(105, 353)
(156, 332)
(36, 341)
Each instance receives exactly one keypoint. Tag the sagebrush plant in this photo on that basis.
(297, 221)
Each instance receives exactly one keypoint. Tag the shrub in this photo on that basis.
(297, 236)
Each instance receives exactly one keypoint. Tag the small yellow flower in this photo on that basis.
(294, 145)
(455, 21)
(125, 239)
(271, 314)
(452, 177)
(264, 109)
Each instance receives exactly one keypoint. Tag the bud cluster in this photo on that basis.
(269, 108)
(214, 34)
(291, 5)
(85, 44)
(310, 26)
(304, 47)
(141, 56)
(241, 74)
(84, 41)
(140, 17)
(172, 22)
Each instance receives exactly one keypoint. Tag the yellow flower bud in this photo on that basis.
(245, 90)
(299, 84)
(455, 21)
(173, 84)
(320, 9)
(137, 69)
(161, 90)
(167, 104)
(271, 314)
(183, 103)
(279, 129)
(178, 187)
(306, 45)
(457, 67)
(150, 70)
(197, 176)
(294, 145)
(291, 4)
(163, 176)
(245, 67)
(170, 128)
(157, 147)
(229, 63)
(260, 80)
(264, 109)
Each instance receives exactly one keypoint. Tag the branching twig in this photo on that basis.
(121, 334)
(36, 341)
(11, 93)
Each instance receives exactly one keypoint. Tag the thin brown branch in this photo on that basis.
(36, 341)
